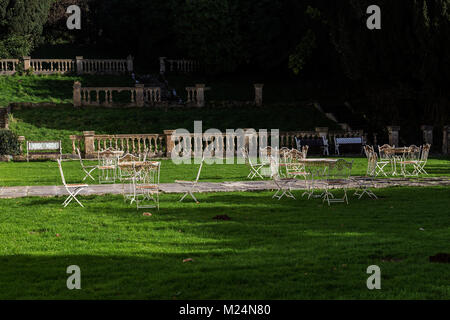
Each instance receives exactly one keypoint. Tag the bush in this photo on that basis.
(9, 143)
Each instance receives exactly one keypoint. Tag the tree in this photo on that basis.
(21, 25)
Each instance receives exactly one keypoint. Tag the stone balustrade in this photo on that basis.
(79, 65)
(152, 95)
(90, 144)
(104, 66)
(50, 66)
(178, 65)
(104, 96)
(8, 66)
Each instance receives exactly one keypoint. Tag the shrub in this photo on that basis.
(9, 143)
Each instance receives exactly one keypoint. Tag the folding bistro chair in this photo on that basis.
(364, 183)
(72, 189)
(87, 169)
(127, 174)
(338, 176)
(146, 185)
(107, 166)
(255, 168)
(383, 160)
(410, 158)
(191, 185)
(283, 184)
(420, 167)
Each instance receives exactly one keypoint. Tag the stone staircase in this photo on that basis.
(151, 80)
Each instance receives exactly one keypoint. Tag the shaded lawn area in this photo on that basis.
(47, 173)
(287, 249)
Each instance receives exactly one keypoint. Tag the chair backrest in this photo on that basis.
(128, 158)
(199, 170)
(274, 168)
(384, 152)
(79, 156)
(148, 173)
(425, 152)
(61, 172)
(413, 153)
(265, 154)
(372, 159)
(341, 170)
(367, 150)
(107, 157)
(305, 151)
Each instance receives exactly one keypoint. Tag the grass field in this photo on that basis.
(288, 249)
(46, 172)
(50, 88)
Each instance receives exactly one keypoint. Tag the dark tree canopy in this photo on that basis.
(21, 25)
(323, 42)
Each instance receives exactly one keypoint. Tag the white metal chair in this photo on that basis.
(423, 159)
(364, 183)
(72, 189)
(338, 176)
(255, 168)
(283, 184)
(384, 159)
(146, 185)
(107, 166)
(410, 159)
(87, 169)
(191, 185)
(127, 175)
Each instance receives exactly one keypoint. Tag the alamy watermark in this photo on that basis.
(374, 281)
(216, 147)
(74, 280)
(74, 21)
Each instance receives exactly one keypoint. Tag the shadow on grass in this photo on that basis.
(268, 250)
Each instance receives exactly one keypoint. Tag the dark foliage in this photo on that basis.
(9, 144)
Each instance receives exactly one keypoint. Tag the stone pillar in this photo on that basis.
(446, 140)
(130, 63)
(393, 135)
(79, 63)
(139, 95)
(251, 141)
(89, 147)
(258, 94)
(162, 65)
(169, 143)
(427, 134)
(21, 140)
(200, 95)
(26, 63)
(77, 94)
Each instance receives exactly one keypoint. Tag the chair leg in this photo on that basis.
(193, 197)
(184, 196)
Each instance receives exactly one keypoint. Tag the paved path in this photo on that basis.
(49, 191)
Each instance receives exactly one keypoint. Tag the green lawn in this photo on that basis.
(50, 88)
(287, 249)
(46, 172)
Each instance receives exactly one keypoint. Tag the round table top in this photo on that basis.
(137, 163)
